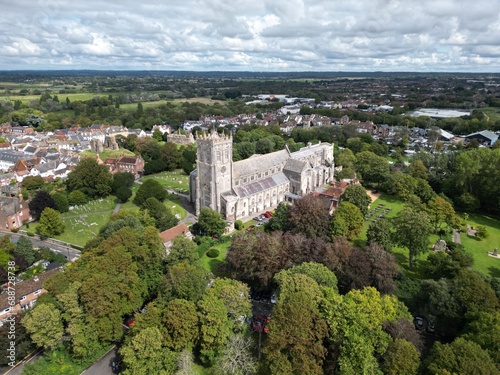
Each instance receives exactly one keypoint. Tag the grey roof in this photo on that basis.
(295, 165)
(51, 165)
(309, 150)
(12, 156)
(259, 163)
(10, 205)
(261, 185)
(487, 134)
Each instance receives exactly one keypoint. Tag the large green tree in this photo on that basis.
(163, 216)
(24, 249)
(91, 178)
(379, 232)
(215, 328)
(460, 357)
(347, 221)
(181, 324)
(144, 354)
(211, 222)
(373, 168)
(171, 156)
(149, 188)
(356, 194)
(297, 330)
(44, 324)
(183, 250)
(50, 223)
(412, 230)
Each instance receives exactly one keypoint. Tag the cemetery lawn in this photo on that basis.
(83, 223)
(176, 180)
(479, 248)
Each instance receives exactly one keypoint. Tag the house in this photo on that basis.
(167, 236)
(132, 164)
(13, 211)
(331, 196)
(26, 293)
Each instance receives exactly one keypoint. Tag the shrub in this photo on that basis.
(14, 230)
(238, 225)
(213, 253)
(30, 233)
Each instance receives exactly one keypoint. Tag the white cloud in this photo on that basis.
(440, 35)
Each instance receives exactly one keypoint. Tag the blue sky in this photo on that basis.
(252, 35)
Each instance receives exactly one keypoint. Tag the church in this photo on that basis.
(244, 188)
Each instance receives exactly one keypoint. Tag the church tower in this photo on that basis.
(214, 167)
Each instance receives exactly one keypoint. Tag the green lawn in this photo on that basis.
(176, 180)
(479, 248)
(492, 112)
(212, 264)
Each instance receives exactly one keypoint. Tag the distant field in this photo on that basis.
(62, 97)
(203, 100)
(492, 112)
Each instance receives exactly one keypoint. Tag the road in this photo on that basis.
(70, 253)
(18, 370)
(103, 365)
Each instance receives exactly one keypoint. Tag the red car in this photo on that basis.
(251, 227)
(267, 214)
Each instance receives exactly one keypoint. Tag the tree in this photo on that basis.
(234, 295)
(61, 201)
(401, 358)
(297, 330)
(237, 357)
(185, 281)
(460, 357)
(417, 169)
(44, 324)
(171, 156)
(440, 210)
(33, 182)
(347, 221)
(379, 232)
(373, 168)
(310, 217)
(181, 323)
(50, 223)
(92, 179)
(345, 158)
(211, 222)
(215, 328)
(144, 354)
(485, 331)
(183, 250)
(150, 188)
(372, 266)
(122, 179)
(24, 249)
(356, 194)
(356, 323)
(40, 202)
(164, 218)
(123, 193)
(279, 220)
(264, 146)
(412, 230)
(318, 272)
(22, 342)
(77, 198)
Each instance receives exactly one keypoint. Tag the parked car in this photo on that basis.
(269, 213)
(251, 227)
(273, 298)
(419, 323)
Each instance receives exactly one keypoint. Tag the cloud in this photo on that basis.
(267, 35)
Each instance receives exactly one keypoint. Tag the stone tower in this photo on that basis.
(214, 169)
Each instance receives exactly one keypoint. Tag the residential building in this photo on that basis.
(167, 236)
(13, 211)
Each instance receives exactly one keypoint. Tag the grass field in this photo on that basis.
(62, 97)
(176, 180)
(492, 112)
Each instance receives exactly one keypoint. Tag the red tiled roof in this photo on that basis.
(169, 234)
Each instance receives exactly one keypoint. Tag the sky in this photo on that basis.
(251, 35)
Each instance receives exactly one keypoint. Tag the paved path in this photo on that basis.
(117, 208)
